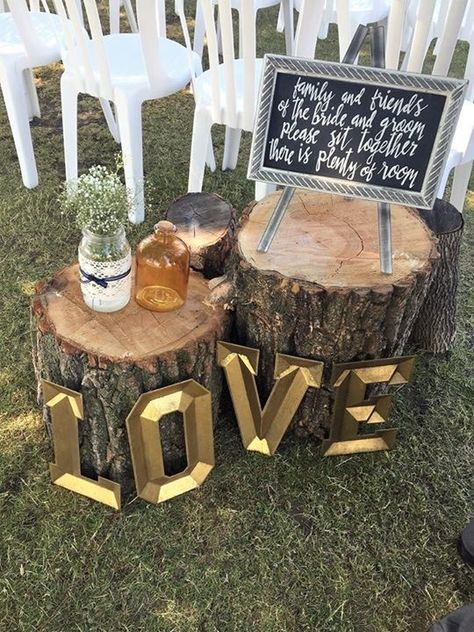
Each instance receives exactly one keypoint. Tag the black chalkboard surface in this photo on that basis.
(361, 133)
(357, 131)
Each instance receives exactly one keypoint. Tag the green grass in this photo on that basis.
(352, 544)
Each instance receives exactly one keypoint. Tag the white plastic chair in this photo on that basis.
(226, 93)
(27, 39)
(125, 69)
(114, 15)
(347, 14)
(457, 24)
(286, 13)
(436, 21)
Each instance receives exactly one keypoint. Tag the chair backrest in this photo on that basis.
(311, 15)
(422, 33)
(449, 21)
(34, 5)
(224, 100)
(467, 27)
(455, 23)
(93, 70)
(77, 43)
(20, 10)
(395, 27)
(467, 34)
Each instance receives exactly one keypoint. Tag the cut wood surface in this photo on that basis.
(333, 241)
(318, 292)
(133, 333)
(111, 359)
(206, 222)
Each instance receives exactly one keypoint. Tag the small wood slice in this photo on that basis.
(319, 293)
(113, 358)
(206, 222)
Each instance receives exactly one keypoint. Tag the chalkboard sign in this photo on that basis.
(361, 132)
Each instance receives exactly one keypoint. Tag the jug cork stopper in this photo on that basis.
(165, 226)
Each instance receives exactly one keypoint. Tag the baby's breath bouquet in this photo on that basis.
(99, 200)
(100, 203)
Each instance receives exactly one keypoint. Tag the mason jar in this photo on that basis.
(105, 267)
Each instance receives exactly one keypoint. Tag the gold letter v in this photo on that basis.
(262, 431)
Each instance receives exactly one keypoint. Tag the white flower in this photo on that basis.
(99, 199)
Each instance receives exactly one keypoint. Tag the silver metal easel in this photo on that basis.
(384, 215)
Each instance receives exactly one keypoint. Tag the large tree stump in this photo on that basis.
(435, 328)
(113, 358)
(319, 293)
(206, 222)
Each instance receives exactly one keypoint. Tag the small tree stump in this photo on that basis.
(113, 358)
(435, 328)
(206, 222)
(319, 293)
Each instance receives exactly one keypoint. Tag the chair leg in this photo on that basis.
(262, 189)
(210, 159)
(16, 105)
(129, 115)
(31, 94)
(110, 119)
(201, 138)
(231, 148)
(69, 114)
(461, 178)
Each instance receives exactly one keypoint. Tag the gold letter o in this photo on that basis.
(194, 401)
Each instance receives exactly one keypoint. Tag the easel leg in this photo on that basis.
(275, 220)
(385, 237)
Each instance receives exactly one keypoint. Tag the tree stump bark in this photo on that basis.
(435, 328)
(319, 293)
(111, 359)
(206, 222)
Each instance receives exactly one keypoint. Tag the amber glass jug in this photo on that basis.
(162, 270)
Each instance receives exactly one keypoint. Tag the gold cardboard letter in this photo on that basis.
(263, 431)
(66, 411)
(194, 401)
(352, 409)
